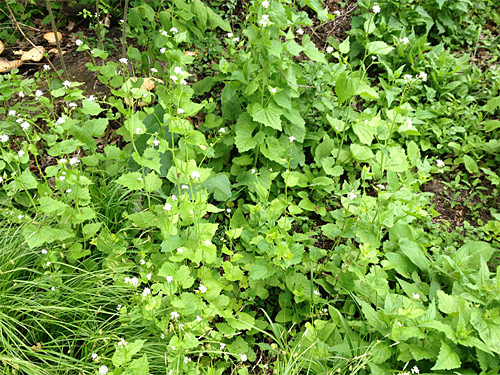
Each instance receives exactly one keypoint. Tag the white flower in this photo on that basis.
(91, 98)
(352, 195)
(416, 296)
(265, 4)
(178, 70)
(62, 178)
(291, 138)
(72, 105)
(163, 50)
(195, 175)
(253, 170)
(167, 206)
(78, 42)
(399, 324)
(264, 21)
(92, 51)
(20, 216)
(123, 60)
(73, 161)
(174, 315)
(12, 112)
(187, 360)
(68, 190)
(329, 49)
(4, 138)
(149, 276)
(222, 130)
(162, 336)
(46, 67)
(21, 153)
(94, 356)
(300, 31)
(122, 342)
(222, 346)
(21, 94)
(423, 76)
(173, 197)
(184, 187)
(174, 78)
(146, 291)
(243, 357)
(407, 77)
(229, 35)
(337, 12)
(415, 370)
(180, 111)
(316, 293)
(142, 261)
(44, 251)
(208, 243)
(138, 131)
(236, 39)
(198, 318)
(1, 179)
(169, 279)
(53, 288)
(118, 307)
(25, 125)
(154, 70)
(440, 163)
(164, 33)
(174, 30)
(179, 250)
(376, 8)
(203, 288)
(273, 90)
(62, 161)
(67, 84)
(404, 40)
(134, 281)
(409, 123)
(60, 121)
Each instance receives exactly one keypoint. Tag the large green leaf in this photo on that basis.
(268, 116)
(415, 253)
(378, 48)
(132, 180)
(345, 87)
(447, 359)
(220, 186)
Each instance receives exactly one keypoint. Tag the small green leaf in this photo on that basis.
(152, 182)
(132, 180)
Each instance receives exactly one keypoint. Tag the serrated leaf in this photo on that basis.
(269, 116)
(364, 132)
(49, 205)
(259, 270)
(293, 47)
(220, 186)
(124, 354)
(447, 359)
(244, 129)
(152, 182)
(311, 51)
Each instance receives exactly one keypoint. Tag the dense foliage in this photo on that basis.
(267, 207)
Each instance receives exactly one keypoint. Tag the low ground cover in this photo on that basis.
(250, 187)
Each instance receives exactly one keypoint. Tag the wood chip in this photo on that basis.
(34, 54)
(2, 47)
(6, 65)
(51, 38)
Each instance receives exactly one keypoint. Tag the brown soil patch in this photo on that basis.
(456, 207)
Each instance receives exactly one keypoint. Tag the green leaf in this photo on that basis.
(378, 48)
(220, 186)
(242, 321)
(345, 87)
(447, 359)
(470, 164)
(361, 152)
(244, 129)
(415, 253)
(364, 132)
(259, 270)
(133, 181)
(91, 108)
(311, 51)
(345, 46)
(492, 104)
(139, 366)
(269, 116)
(490, 125)
(293, 47)
(49, 206)
(152, 182)
(26, 181)
(488, 330)
(125, 353)
(200, 11)
(230, 103)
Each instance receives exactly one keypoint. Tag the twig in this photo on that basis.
(294, 84)
(58, 44)
(28, 39)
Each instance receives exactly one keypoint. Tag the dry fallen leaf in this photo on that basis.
(148, 84)
(19, 53)
(190, 53)
(34, 54)
(6, 65)
(51, 37)
(2, 47)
